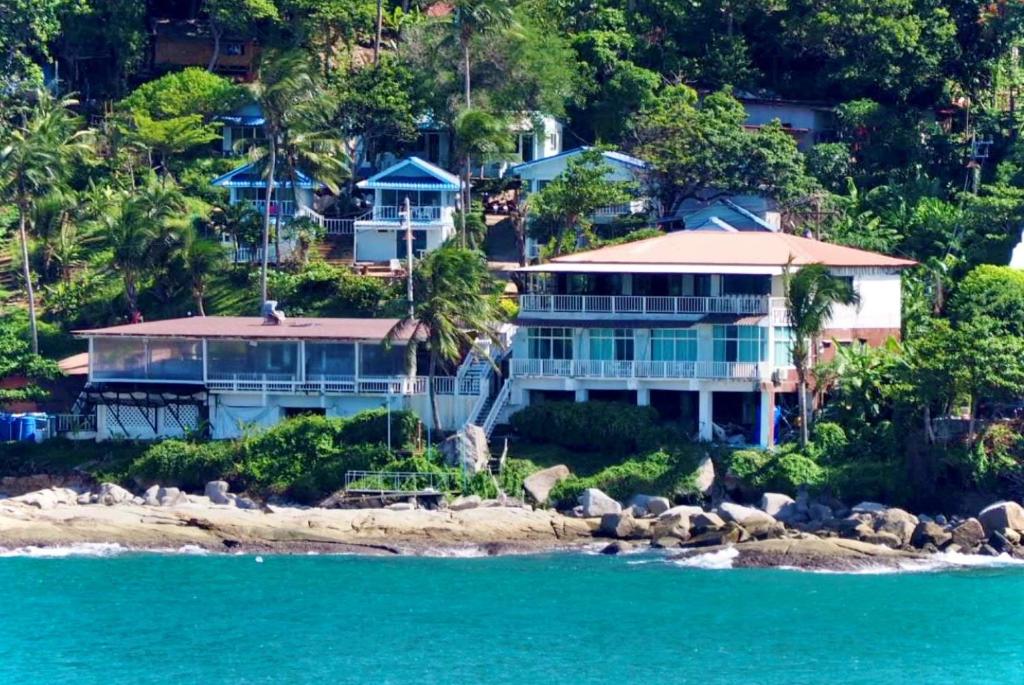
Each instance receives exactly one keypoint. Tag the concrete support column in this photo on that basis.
(704, 408)
(582, 394)
(767, 418)
(643, 397)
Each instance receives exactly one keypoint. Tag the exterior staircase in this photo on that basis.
(8, 277)
(337, 250)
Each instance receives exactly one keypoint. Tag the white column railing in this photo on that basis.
(282, 207)
(609, 369)
(425, 214)
(640, 304)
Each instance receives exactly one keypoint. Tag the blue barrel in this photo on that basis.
(28, 427)
(5, 427)
(17, 426)
(40, 425)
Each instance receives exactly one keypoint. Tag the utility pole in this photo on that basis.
(407, 219)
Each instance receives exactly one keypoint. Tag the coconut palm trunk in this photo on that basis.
(27, 273)
(266, 221)
(431, 391)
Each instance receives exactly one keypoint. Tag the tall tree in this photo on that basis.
(811, 294)
(475, 18)
(479, 135)
(34, 158)
(199, 258)
(572, 196)
(283, 81)
(138, 232)
(454, 305)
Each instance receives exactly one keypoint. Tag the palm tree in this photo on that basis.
(453, 304)
(478, 17)
(811, 294)
(35, 158)
(138, 232)
(52, 221)
(199, 257)
(482, 135)
(283, 81)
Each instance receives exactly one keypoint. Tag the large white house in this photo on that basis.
(432, 193)
(233, 374)
(692, 322)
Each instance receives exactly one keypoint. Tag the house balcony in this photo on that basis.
(643, 370)
(636, 206)
(320, 384)
(419, 214)
(284, 208)
(640, 305)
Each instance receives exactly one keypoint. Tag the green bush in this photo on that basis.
(186, 465)
(665, 473)
(873, 480)
(830, 439)
(783, 471)
(371, 426)
(591, 426)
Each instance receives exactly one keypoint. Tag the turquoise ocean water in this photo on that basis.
(561, 618)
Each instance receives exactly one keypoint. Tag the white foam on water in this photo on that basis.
(81, 549)
(933, 563)
(94, 549)
(718, 560)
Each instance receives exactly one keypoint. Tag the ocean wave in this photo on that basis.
(93, 549)
(933, 563)
(718, 560)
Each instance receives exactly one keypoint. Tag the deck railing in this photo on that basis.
(316, 384)
(655, 370)
(70, 424)
(622, 209)
(425, 214)
(399, 481)
(282, 207)
(643, 304)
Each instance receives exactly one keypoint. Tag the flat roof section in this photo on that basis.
(255, 328)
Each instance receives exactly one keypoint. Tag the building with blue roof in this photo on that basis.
(432, 193)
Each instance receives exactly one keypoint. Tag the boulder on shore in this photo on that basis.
(672, 525)
(539, 485)
(704, 478)
(649, 505)
(112, 493)
(622, 526)
(896, 522)
(868, 508)
(969, 535)
(467, 450)
(465, 502)
(48, 498)
(928, 533)
(171, 497)
(706, 521)
(780, 507)
(595, 503)
(217, 491)
(1002, 515)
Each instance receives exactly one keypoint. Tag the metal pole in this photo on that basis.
(389, 421)
(408, 255)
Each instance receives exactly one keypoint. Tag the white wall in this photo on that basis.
(880, 299)
(375, 246)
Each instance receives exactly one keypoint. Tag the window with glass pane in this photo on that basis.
(249, 359)
(377, 360)
(549, 343)
(611, 344)
(118, 358)
(674, 345)
(176, 360)
(330, 360)
(740, 344)
(783, 347)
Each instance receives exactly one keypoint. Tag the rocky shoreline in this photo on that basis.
(780, 532)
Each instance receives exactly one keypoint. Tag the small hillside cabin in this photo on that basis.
(432, 192)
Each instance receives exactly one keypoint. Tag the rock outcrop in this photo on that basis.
(996, 517)
(596, 504)
(217, 491)
(467, 450)
(539, 485)
(704, 478)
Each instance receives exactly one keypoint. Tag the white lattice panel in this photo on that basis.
(129, 421)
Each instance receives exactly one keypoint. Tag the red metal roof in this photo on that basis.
(255, 328)
(742, 248)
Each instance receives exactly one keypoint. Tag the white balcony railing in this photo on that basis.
(316, 384)
(419, 214)
(643, 305)
(285, 208)
(654, 370)
(637, 206)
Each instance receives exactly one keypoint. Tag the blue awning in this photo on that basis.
(246, 176)
(242, 120)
